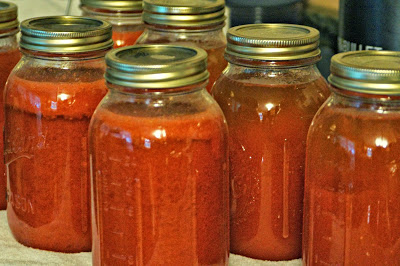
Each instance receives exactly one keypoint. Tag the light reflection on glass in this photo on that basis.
(269, 106)
(381, 142)
(159, 133)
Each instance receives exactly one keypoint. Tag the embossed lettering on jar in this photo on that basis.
(197, 22)
(125, 17)
(49, 99)
(269, 94)
(159, 162)
(352, 185)
(9, 57)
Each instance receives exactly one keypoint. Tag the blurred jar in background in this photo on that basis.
(352, 181)
(9, 57)
(269, 94)
(369, 25)
(159, 159)
(265, 11)
(124, 15)
(49, 99)
(197, 22)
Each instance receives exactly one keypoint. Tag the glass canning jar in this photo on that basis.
(197, 22)
(158, 149)
(9, 57)
(352, 185)
(124, 15)
(269, 94)
(49, 99)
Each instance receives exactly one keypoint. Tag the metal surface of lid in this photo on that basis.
(371, 72)
(184, 13)
(275, 42)
(156, 66)
(8, 17)
(65, 34)
(114, 5)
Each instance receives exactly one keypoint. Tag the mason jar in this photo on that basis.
(9, 57)
(158, 149)
(197, 23)
(352, 185)
(125, 17)
(269, 94)
(49, 99)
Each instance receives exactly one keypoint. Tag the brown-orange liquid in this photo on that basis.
(352, 196)
(268, 126)
(160, 188)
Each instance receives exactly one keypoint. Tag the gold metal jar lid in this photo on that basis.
(8, 17)
(156, 66)
(273, 42)
(184, 13)
(65, 34)
(114, 5)
(371, 72)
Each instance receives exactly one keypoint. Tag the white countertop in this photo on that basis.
(13, 253)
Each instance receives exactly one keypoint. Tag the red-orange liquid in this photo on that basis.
(8, 60)
(125, 38)
(268, 126)
(352, 194)
(160, 188)
(216, 62)
(46, 153)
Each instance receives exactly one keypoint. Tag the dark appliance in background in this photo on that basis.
(369, 25)
(265, 11)
(293, 12)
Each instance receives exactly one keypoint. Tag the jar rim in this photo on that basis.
(159, 66)
(370, 72)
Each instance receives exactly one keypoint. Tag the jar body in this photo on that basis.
(213, 41)
(160, 180)
(268, 111)
(9, 56)
(127, 26)
(352, 185)
(48, 106)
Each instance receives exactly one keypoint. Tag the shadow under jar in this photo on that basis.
(352, 185)
(159, 159)
(269, 94)
(197, 22)
(49, 100)
(9, 57)
(125, 17)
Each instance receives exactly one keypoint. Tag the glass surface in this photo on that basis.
(48, 106)
(160, 179)
(212, 40)
(268, 110)
(352, 193)
(9, 57)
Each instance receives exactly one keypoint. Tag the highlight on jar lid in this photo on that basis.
(184, 13)
(273, 42)
(156, 66)
(371, 72)
(8, 17)
(65, 34)
(114, 5)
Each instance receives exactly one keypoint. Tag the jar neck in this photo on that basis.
(65, 56)
(199, 29)
(8, 33)
(346, 97)
(256, 63)
(119, 18)
(142, 92)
